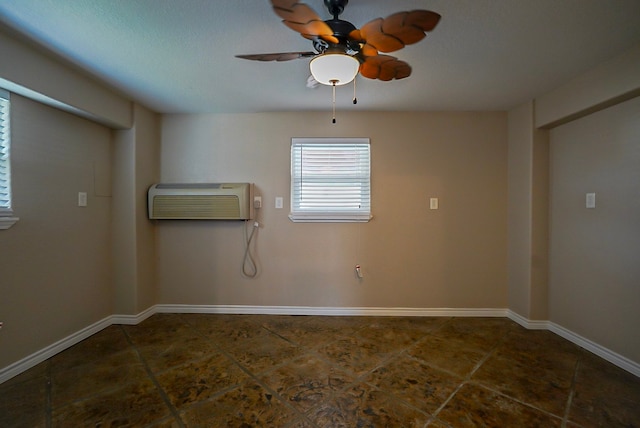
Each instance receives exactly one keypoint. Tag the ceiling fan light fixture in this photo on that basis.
(334, 68)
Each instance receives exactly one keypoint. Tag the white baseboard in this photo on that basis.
(601, 351)
(604, 353)
(42, 355)
(330, 311)
(134, 319)
(527, 323)
(51, 350)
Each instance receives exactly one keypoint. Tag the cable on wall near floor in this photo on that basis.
(249, 266)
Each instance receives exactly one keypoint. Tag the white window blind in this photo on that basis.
(330, 179)
(5, 168)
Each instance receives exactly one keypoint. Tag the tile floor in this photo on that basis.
(196, 370)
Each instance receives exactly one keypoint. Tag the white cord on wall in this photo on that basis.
(249, 266)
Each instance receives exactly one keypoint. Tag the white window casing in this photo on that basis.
(330, 180)
(6, 213)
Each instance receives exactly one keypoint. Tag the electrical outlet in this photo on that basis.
(257, 202)
(279, 202)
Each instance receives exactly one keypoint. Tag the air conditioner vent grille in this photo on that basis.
(196, 207)
(201, 201)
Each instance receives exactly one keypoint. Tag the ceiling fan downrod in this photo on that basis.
(341, 29)
(335, 7)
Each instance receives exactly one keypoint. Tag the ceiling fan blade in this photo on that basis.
(384, 67)
(304, 20)
(283, 56)
(397, 30)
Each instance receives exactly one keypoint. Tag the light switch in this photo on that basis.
(82, 199)
(591, 200)
(433, 203)
(279, 202)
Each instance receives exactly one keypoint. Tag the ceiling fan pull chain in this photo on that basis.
(355, 100)
(333, 88)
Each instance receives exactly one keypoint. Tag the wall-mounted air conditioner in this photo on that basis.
(201, 201)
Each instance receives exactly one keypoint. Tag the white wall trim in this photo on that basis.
(59, 346)
(134, 319)
(331, 311)
(607, 354)
(527, 323)
(601, 351)
(51, 350)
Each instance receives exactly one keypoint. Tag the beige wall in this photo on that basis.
(147, 167)
(50, 80)
(607, 84)
(528, 214)
(594, 268)
(411, 256)
(58, 273)
(136, 167)
(520, 233)
(55, 263)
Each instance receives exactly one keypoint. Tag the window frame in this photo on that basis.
(360, 177)
(6, 210)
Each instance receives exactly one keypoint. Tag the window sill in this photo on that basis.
(329, 218)
(7, 222)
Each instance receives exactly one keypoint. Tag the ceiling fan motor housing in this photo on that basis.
(341, 29)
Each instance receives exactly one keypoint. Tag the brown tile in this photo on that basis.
(249, 405)
(410, 324)
(339, 325)
(200, 379)
(163, 355)
(353, 354)
(605, 395)
(202, 363)
(219, 322)
(23, 403)
(482, 334)
(159, 328)
(109, 341)
(227, 331)
(94, 377)
(474, 406)
(299, 422)
(306, 381)
(447, 355)
(365, 406)
(309, 331)
(424, 387)
(541, 378)
(391, 337)
(281, 323)
(169, 422)
(436, 423)
(39, 371)
(136, 404)
(264, 352)
(542, 346)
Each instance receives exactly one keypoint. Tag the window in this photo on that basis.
(330, 180)
(6, 214)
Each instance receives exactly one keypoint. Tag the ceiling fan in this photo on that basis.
(342, 50)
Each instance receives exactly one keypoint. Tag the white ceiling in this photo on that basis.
(178, 55)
